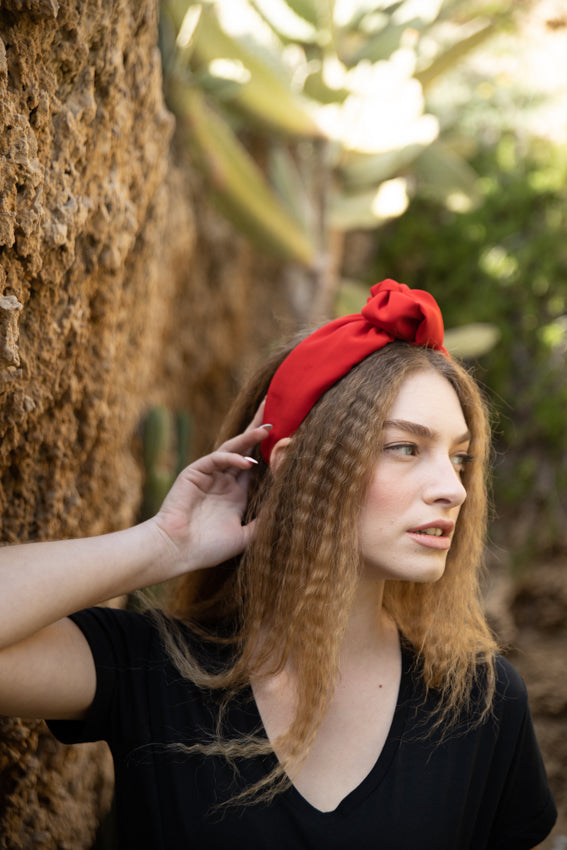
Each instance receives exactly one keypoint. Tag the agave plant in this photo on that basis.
(335, 89)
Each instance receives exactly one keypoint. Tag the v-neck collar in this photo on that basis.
(372, 780)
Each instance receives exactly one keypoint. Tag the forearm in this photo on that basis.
(199, 525)
(42, 582)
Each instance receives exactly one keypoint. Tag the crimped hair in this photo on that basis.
(288, 596)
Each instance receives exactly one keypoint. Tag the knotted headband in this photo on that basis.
(392, 312)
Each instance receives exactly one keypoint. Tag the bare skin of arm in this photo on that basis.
(46, 668)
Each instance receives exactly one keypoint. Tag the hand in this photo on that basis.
(202, 513)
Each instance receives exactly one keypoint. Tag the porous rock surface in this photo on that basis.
(84, 140)
(84, 137)
(120, 288)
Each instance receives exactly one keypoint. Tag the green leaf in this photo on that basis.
(266, 95)
(358, 170)
(447, 177)
(362, 19)
(370, 209)
(290, 187)
(237, 183)
(182, 16)
(286, 24)
(380, 32)
(309, 10)
(380, 46)
(317, 89)
(454, 54)
(471, 341)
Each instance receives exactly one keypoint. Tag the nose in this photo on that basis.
(444, 485)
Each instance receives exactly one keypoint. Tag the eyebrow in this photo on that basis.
(422, 430)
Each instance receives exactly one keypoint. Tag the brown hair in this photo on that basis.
(291, 591)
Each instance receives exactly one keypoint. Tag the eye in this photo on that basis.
(460, 461)
(403, 449)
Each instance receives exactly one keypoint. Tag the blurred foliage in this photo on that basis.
(505, 262)
(166, 448)
(308, 117)
(312, 119)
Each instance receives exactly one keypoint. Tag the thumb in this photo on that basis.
(249, 532)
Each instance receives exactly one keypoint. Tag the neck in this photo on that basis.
(369, 627)
(370, 631)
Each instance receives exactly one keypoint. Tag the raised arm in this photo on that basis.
(46, 669)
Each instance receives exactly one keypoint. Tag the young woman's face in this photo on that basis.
(415, 494)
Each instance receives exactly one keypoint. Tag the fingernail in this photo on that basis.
(251, 459)
(267, 427)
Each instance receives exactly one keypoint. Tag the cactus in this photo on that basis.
(166, 449)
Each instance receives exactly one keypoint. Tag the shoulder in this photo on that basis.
(125, 636)
(510, 692)
(142, 684)
(508, 684)
(484, 707)
(115, 622)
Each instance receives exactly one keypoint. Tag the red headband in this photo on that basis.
(394, 311)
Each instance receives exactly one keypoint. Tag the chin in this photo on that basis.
(424, 574)
(428, 575)
(428, 578)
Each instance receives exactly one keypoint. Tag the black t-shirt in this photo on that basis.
(481, 789)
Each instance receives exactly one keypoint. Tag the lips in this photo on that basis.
(433, 535)
(445, 526)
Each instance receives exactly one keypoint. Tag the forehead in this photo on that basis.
(427, 398)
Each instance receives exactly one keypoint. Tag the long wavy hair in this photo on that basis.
(288, 596)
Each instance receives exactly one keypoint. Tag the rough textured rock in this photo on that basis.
(50, 796)
(119, 287)
(83, 147)
(84, 138)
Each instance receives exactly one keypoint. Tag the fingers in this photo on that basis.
(246, 441)
(258, 417)
(248, 533)
(222, 461)
(233, 454)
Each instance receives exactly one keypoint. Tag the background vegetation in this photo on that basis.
(505, 262)
(318, 122)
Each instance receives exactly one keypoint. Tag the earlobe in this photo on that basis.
(278, 453)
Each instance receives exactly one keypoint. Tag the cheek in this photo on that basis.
(386, 498)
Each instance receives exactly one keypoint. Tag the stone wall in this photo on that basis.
(120, 287)
(84, 141)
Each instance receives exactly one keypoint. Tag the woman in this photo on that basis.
(329, 679)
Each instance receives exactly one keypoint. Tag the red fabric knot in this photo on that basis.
(411, 315)
(393, 311)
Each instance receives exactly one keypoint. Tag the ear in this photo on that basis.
(278, 453)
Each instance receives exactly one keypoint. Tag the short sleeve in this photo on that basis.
(122, 644)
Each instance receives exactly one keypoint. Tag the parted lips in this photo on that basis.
(393, 312)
